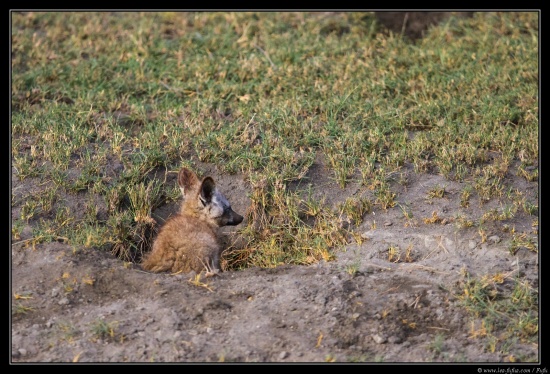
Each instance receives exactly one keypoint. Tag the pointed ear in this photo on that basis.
(207, 189)
(187, 180)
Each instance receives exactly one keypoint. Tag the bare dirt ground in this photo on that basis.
(89, 306)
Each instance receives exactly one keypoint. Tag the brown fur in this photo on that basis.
(189, 240)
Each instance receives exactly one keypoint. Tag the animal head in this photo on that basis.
(204, 197)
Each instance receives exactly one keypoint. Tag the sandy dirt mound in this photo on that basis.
(89, 306)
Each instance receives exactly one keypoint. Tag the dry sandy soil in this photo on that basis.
(385, 310)
(89, 306)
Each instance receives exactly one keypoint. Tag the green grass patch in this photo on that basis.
(262, 94)
(499, 302)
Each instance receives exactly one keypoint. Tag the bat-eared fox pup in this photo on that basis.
(189, 240)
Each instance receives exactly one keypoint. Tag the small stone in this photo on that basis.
(22, 351)
(367, 235)
(457, 319)
(379, 339)
(64, 301)
(283, 355)
(472, 244)
(55, 292)
(394, 339)
(494, 239)
(388, 223)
